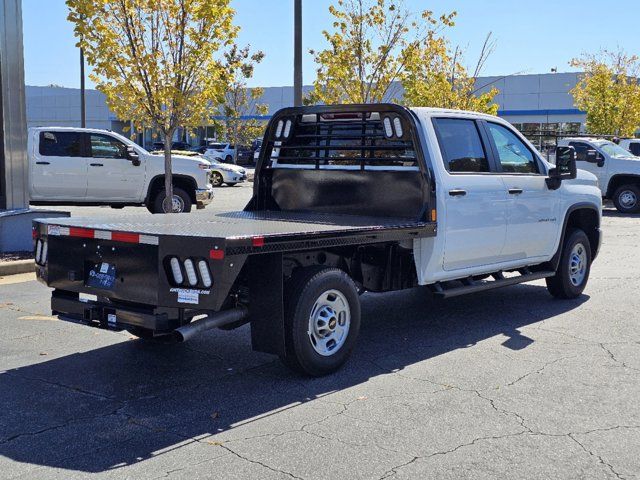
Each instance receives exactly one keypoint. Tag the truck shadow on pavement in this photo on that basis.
(114, 406)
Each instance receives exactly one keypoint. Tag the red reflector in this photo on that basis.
(125, 237)
(257, 241)
(80, 232)
(216, 254)
(34, 233)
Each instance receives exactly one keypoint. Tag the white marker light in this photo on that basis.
(177, 273)
(204, 273)
(388, 131)
(398, 126)
(45, 248)
(38, 250)
(191, 272)
(279, 129)
(287, 129)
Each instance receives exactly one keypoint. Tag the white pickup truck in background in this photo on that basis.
(76, 166)
(617, 170)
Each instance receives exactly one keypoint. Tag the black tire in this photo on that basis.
(626, 199)
(228, 159)
(232, 184)
(184, 197)
(305, 288)
(561, 284)
(117, 207)
(216, 179)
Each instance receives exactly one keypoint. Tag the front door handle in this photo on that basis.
(515, 191)
(97, 165)
(457, 193)
(43, 163)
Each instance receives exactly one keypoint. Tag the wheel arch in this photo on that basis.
(585, 216)
(187, 183)
(618, 180)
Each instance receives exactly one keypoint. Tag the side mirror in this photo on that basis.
(133, 156)
(565, 168)
(593, 156)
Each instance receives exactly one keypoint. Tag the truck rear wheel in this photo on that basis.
(322, 320)
(573, 271)
(626, 199)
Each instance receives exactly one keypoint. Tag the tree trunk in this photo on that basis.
(235, 142)
(167, 204)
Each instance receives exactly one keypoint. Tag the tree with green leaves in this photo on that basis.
(157, 61)
(240, 106)
(369, 47)
(609, 91)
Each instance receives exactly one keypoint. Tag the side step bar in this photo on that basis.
(480, 286)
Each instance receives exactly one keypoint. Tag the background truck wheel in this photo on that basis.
(573, 270)
(322, 320)
(627, 199)
(232, 184)
(216, 179)
(181, 199)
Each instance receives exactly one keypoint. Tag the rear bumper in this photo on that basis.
(204, 196)
(105, 315)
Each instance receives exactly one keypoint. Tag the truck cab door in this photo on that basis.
(533, 221)
(58, 166)
(584, 153)
(112, 175)
(475, 200)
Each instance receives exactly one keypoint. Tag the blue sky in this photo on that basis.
(532, 37)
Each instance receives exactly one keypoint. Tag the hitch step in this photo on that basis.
(501, 281)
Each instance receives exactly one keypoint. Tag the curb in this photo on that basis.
(17, 266)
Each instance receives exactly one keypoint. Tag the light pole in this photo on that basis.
(297, 53)
(83, 118)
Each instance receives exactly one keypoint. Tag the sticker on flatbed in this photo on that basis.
(53, 230)
(102, 276)
(188, 296)
(111, 319)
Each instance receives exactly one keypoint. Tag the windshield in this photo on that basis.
(217, 146)
(613, 150)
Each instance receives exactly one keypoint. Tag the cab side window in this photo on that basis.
(514, 156)
(461, 145)
(635, 148)
(60, 144)
(581, 150)
(105, 146)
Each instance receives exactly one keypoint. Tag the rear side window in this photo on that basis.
(635, 148)
(513, 154)
(60, 144)
(461, 145)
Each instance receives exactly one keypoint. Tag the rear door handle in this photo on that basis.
(457, 193)
(43, 163)
(97, 165)
(515, 191)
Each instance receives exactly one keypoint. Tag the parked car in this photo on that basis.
(617, 170)
(631, 144)
(222, 151)
(96, 167)
(474, 208)
(226, 173)
(174, 146)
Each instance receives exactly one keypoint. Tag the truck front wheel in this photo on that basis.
(627, 199)
(573, 271)
(181, 201)
(322, 320)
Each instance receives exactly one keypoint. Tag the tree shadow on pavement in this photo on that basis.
(115, 406)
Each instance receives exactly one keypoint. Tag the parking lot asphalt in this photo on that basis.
(504, 384)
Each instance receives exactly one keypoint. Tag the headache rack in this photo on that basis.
(342, 157)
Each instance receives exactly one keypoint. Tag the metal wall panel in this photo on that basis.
(14, 189)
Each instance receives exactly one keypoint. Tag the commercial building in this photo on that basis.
(530, 102)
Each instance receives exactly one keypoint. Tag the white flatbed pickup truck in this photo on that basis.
(346, 199)
(86, 166)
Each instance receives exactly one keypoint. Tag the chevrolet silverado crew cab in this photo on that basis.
(346, 200)
(632, 145)
(617, 170)
(92, 167)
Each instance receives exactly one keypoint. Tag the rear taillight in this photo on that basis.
(42, 250)
(176, 271)
(203, 268)
(190, 272)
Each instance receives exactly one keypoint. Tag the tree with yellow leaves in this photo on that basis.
(436, 77)
(240, 106)
(155, 61)
(368, 50)
(609, 91)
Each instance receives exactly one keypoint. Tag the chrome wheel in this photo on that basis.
(177, 204)
(216, 179)
(628, 199)
(329, 323)
(577, 264)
